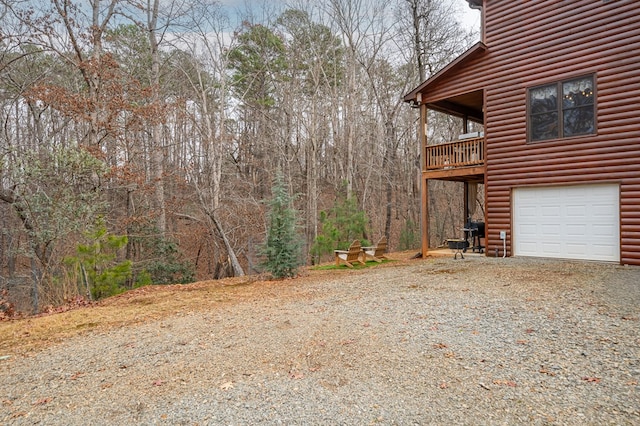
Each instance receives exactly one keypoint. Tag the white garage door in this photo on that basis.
(567, 222)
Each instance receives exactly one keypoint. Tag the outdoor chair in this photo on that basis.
(376, 252)
(349, 256)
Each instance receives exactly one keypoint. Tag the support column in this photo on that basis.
(425, 216)
(424, 202)
(466, 209)
(466, 202)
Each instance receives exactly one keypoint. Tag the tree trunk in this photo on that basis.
(157, 154)
(35, 279)
(237, 268)
(312, 180)
(387, 164)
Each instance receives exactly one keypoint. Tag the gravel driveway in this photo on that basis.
(435, 341)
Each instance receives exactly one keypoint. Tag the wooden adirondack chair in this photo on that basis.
(349, 256)
(376, 252)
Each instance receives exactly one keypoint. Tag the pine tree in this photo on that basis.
(99, 269)
(281, 251)
(342, 224)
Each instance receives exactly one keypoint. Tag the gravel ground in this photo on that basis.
(435, 341)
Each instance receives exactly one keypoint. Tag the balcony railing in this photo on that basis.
(450, 155)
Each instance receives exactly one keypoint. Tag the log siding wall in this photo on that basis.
(530, 43)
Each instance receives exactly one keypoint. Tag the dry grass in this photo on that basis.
(133, 307)
(151, 303)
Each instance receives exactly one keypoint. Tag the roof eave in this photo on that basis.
(475, 4)
(473, 50)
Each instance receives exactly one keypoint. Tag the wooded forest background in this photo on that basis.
(140, 138)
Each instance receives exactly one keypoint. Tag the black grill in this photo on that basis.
(475, 230)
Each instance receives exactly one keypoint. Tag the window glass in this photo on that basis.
(544, 112)
(562, 109)
(577, 106)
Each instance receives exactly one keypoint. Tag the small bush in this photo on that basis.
(159, 261)
(96, 263)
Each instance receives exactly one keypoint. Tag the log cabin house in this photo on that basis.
(555, 85)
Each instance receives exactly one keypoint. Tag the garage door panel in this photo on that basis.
(529, 229)
(577, 211)
(603, 230)
(552, 231)
(601, 210)
(577, 230)
(550, 248)
(550, 211)
(602, 250)
(529, 249)
(577, 249)
(528, 211)
(574, 222)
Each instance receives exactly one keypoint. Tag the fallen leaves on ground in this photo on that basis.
(77, 375)
(226, 386)
(296, 375)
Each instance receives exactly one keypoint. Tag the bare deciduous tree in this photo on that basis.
(194, 117)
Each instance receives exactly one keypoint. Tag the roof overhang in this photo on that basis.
(471, 53)
(475, 4)
(465, 104)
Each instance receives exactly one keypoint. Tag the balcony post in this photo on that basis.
(466, 202)
(424, 183)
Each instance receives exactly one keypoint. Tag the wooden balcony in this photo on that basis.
(457, 160)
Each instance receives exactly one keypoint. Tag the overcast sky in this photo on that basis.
(468, 17)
